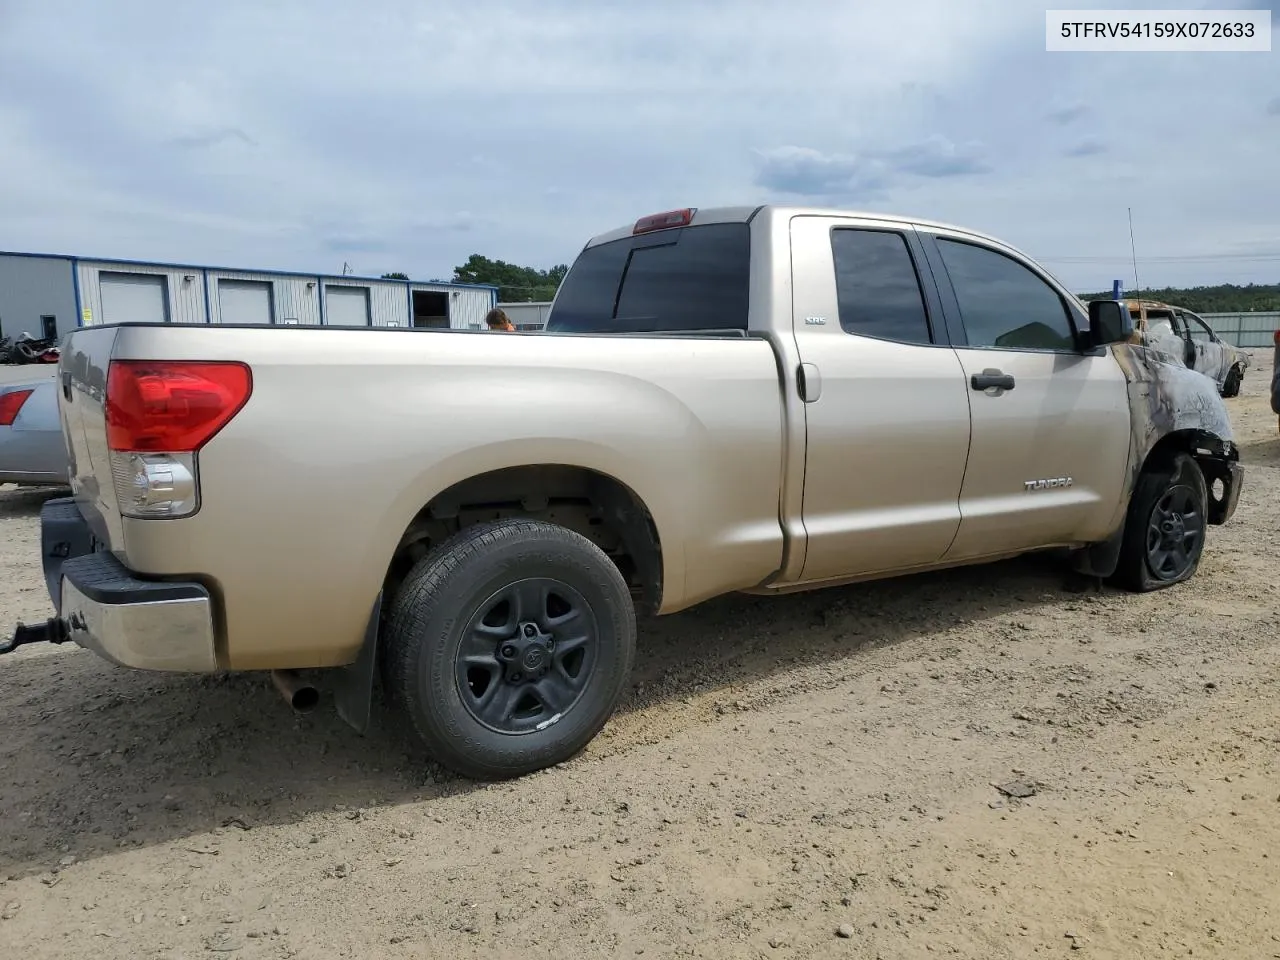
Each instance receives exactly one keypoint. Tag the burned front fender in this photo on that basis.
(1173, 407)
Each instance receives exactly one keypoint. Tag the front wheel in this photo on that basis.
(1165, 528)
(509, 647)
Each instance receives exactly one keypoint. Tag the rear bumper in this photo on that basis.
(146, 624)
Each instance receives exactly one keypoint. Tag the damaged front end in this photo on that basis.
(1177, 409)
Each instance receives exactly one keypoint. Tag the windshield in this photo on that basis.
(693, 278)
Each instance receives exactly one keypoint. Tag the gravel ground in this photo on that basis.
(796, 777)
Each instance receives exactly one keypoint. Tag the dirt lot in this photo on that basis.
(785, 771)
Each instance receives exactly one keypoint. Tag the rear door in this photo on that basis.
(1050, 438)
(887, 412)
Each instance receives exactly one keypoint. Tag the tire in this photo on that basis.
(1153, 558)
(1231, 387)
(489, 699)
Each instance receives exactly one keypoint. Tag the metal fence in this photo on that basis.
(1248, 330)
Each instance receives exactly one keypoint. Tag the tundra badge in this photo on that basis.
(1051, 484)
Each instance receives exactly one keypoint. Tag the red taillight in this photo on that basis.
(172, 406)
(664, 221)
(1276, 335)
(10, 404)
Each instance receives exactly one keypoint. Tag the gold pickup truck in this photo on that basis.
(755, 399)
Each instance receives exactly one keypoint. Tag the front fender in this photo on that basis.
(1165, 398)
(1169, 404)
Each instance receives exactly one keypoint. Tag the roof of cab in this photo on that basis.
(744, 214)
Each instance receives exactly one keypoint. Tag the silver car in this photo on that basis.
(31, 445)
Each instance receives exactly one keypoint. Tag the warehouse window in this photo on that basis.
(430, 308)
(49, 327)
(346, 306)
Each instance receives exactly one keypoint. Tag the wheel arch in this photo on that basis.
(1214, 456)
(587, 500)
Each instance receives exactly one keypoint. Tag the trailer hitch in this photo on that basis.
(51, 631)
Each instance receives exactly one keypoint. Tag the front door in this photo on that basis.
(887, 415)
(1050, 447)
(1209, 357)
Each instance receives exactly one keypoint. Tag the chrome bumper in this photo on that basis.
(145, 624)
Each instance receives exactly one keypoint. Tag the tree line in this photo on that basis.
(1221, 298)
(516, 284)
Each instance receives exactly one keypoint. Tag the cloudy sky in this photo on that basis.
(399, 135)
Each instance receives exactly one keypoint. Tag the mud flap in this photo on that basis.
(353, 684)
(1099, 559)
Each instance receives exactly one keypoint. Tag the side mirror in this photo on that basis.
(1109, 322)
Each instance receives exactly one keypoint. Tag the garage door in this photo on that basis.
(244, 301)
(133, 298)
(346, 306)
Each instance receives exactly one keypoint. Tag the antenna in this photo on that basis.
(346, 267)
(1137, 284)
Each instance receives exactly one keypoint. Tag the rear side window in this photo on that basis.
(694, 278)
(877, 286)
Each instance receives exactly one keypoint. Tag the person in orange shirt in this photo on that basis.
(497, 319)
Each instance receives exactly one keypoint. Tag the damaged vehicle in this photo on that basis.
(743, 399)
(1185, 338)
(32, 451)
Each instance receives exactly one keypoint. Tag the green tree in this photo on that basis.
(395, 276)
(514, 283)
(1222, 298)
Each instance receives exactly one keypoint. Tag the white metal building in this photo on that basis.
(119, 291)
(528, 316)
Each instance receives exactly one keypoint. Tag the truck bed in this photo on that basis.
(305, 494)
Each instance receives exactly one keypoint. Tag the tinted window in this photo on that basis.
(695, 278)
(1002, 303)
(877, 286)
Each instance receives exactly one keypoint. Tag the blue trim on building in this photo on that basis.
(297, 274)
(75, 285)
(208, 309)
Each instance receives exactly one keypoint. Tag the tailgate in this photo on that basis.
(82, 381)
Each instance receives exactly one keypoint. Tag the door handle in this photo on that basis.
(991, 378)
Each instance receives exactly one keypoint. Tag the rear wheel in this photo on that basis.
(509, 647)
(1166, 525)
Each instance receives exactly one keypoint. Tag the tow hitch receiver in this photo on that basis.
(51, 631)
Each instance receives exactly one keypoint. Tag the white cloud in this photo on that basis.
(403, 136)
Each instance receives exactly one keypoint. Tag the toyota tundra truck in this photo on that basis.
(757, 399)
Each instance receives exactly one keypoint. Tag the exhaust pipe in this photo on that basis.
(299, 694)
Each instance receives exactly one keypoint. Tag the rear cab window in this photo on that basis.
(688, 279)
(878, 287)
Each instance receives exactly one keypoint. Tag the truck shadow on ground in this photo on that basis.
(99, 758)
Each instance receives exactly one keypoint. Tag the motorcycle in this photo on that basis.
(29, 349)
